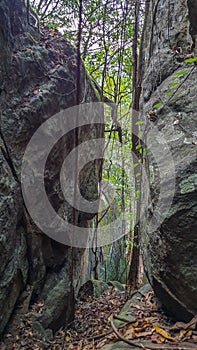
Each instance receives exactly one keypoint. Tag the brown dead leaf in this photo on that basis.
(129, 333)
(182, 333)
(143, 334)
(135, 324)
(144, 323)
(160, 339)
(53, 31)
(189, 333)
(154, 338)
(79, 346)
(194, 338)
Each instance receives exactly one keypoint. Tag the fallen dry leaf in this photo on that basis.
(162, 332)
(143, 334)
(129, 333)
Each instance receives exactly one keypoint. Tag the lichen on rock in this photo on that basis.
(170, 251)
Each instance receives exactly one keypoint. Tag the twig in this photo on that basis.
(63, 341)
(141, 346)
(124, 339)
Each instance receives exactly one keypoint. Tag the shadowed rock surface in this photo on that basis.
(38, 78)
(170, 247)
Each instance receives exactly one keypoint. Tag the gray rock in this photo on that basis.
(118, 346)
(119, 286)
(99, 287)
(13, 260)
(92, 288)
(170, 250)
(147, 344)
(35, 84)
(59, 307)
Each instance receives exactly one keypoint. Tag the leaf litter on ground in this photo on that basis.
(91, 329)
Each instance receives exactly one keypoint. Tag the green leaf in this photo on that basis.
(53, 25)
(139, 123)
(190, 60)
(174, 84)
(140, 134)
(135, 165)
(168, 93)
(92, 19)
(137, 147)
(137, 194)
(178, 74)
(157, 105)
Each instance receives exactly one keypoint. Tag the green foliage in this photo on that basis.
(140, 122)
(138, 147)
(179, 74)
(191, 60)
(106, 41)
(140, 133)
(157, 105)
(137, 194)
(173, 84)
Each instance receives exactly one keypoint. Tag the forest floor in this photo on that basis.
(140, 323)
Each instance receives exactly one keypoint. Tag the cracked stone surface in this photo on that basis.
(170, 251)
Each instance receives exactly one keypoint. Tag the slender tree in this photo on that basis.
(137, 143)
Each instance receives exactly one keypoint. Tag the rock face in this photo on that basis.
(38, 78)
(170, 249)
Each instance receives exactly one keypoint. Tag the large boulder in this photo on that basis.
(38, 78)
(168, 224)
